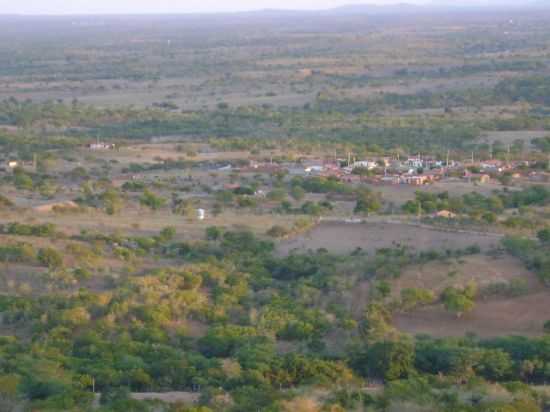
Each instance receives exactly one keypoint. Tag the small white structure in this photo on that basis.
(101, 146)
(415, 162)
(365, 164)
(201, 214)
(12, 164)
(314, 169)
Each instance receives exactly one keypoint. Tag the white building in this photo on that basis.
(415, 162)
(314, 169)
(101, 146)
(365, 164)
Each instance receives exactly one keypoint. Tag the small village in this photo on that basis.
(414, 170)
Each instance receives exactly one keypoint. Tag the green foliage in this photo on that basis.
(20, 229)
(167, 234)
(534, 254)
(320, 185)
(388, 360)
(112, 201)
(460, 301)
(376, 323)
(50, 257)
(151, 200)
(277, 231)
(368, 202)
(214, 233)
(544, 235)
(22, 180)
(414, 297)
(297, 193)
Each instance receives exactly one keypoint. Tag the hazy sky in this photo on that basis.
(169, 6)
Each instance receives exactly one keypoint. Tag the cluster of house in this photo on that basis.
(415, 171)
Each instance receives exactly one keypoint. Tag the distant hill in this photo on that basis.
(439, 5)
(379, 9)
(490, 3)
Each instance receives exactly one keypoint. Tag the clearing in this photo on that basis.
(371, 236)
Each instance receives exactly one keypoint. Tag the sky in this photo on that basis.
(171, 6)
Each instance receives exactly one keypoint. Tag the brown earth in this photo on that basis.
(345, 238)
(493, 316)
(524, 316)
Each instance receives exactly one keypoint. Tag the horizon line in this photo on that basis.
(419, 7)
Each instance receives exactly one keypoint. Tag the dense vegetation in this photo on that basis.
(155, 264)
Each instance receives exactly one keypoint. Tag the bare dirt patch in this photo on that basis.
(481, 269)
(493, 316)
(524, 316)
(345, 238)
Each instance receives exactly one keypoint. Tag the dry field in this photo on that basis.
(400, 194)
(138, 221)
(345, 238)
(525, 316)
(482, 269)
(492, 316)
(495, 316)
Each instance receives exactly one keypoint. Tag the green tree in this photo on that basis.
(413, 297)
(390, 360)
(297, 193)
(112, 201)
(167, 234)
(23, 181)
(544, 235)
(214, 233)
(151, 200)
(460, 301)
(376, 323)
(50, 257)
(368, 202)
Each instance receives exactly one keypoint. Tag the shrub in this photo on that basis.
(277, 231)
(50, 258)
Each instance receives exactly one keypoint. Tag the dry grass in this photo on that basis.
(345, 238)
(497, 316)
(143, 222)
(481, 269)
(524, 316)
